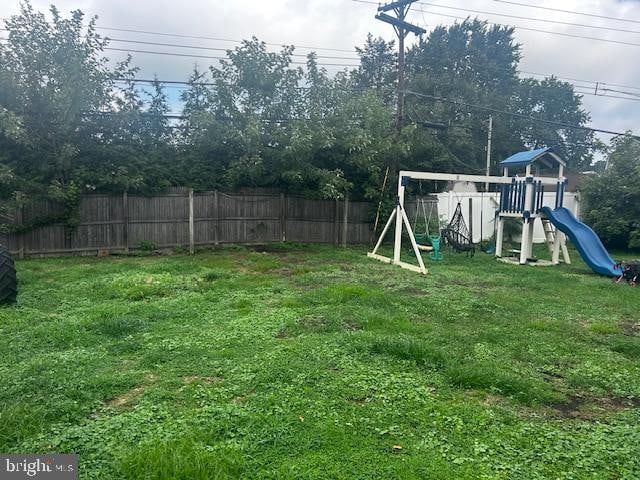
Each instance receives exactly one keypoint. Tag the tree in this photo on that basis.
(53, 77)
(377, 69)
(477, 64)
(557, 101)
(468, 62)
(612, 199)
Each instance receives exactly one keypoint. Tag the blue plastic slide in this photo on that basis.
(585, 240)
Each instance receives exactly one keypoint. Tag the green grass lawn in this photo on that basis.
(315, 362)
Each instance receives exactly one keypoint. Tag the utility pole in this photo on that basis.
(402, 29)
(490, 133)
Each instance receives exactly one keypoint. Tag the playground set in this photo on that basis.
(521, 197)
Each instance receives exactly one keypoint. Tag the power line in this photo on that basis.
(215, 39)
(529, 29)
(518, 17)
(211, 57)
(198, 47)
(619, 91)
(603, 84)
(317, 48)
(594, 82)
(518, 115)
(562, 34)
(175, 54)
(548, 75)
(618, 97)
(185, 84)
(584, 14)
(589, 88)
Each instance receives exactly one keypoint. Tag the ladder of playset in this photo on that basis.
(550, 235)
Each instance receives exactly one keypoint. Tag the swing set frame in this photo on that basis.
(399, 214)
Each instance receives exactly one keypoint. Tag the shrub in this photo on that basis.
(612, 200)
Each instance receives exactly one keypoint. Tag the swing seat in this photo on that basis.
(421, 238)
(436, 255)
(422, 248)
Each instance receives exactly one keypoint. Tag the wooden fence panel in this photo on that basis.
(249, 218)
(360, 227)
(102, 224)
(205, 221)
(310, 220)
(50, 238)
(162, 221)
(113, 222)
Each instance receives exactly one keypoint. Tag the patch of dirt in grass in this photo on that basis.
(586, 407)
(126, 398)
(314, 323)
(570, 408)
(414, 291)
(239, 399)
(283, 333)
(491, 400)
(631, 329)
(358, 401)
(189, 379)
(284, 271)
(323, 324)
(152, 377)
(576, 406)
(552, 377)
(463, 283)
(294, 252)
(351, 325)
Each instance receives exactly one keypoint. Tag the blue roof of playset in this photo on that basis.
(522, 159)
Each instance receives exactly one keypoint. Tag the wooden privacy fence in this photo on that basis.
(118, 223)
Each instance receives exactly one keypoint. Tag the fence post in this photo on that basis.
(336, 223)
(20, 234)
(191, 224)
(283, 217)
(345, 220)
(125, 221)
(216, 217)
(471, 219)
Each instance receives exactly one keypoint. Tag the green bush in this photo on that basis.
(612, 199)
(147, 246)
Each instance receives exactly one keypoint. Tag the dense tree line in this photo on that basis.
(71, 123)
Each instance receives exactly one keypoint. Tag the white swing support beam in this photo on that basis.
(400, 216)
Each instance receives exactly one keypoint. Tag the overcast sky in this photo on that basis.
(342, 24)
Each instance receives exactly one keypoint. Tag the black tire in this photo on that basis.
(8, 279)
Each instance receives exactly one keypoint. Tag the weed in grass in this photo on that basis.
(410, 349)
(18, 422)
(604, 328)
(119, 326)
(627, 346)
(181, 459)
(213, 275)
